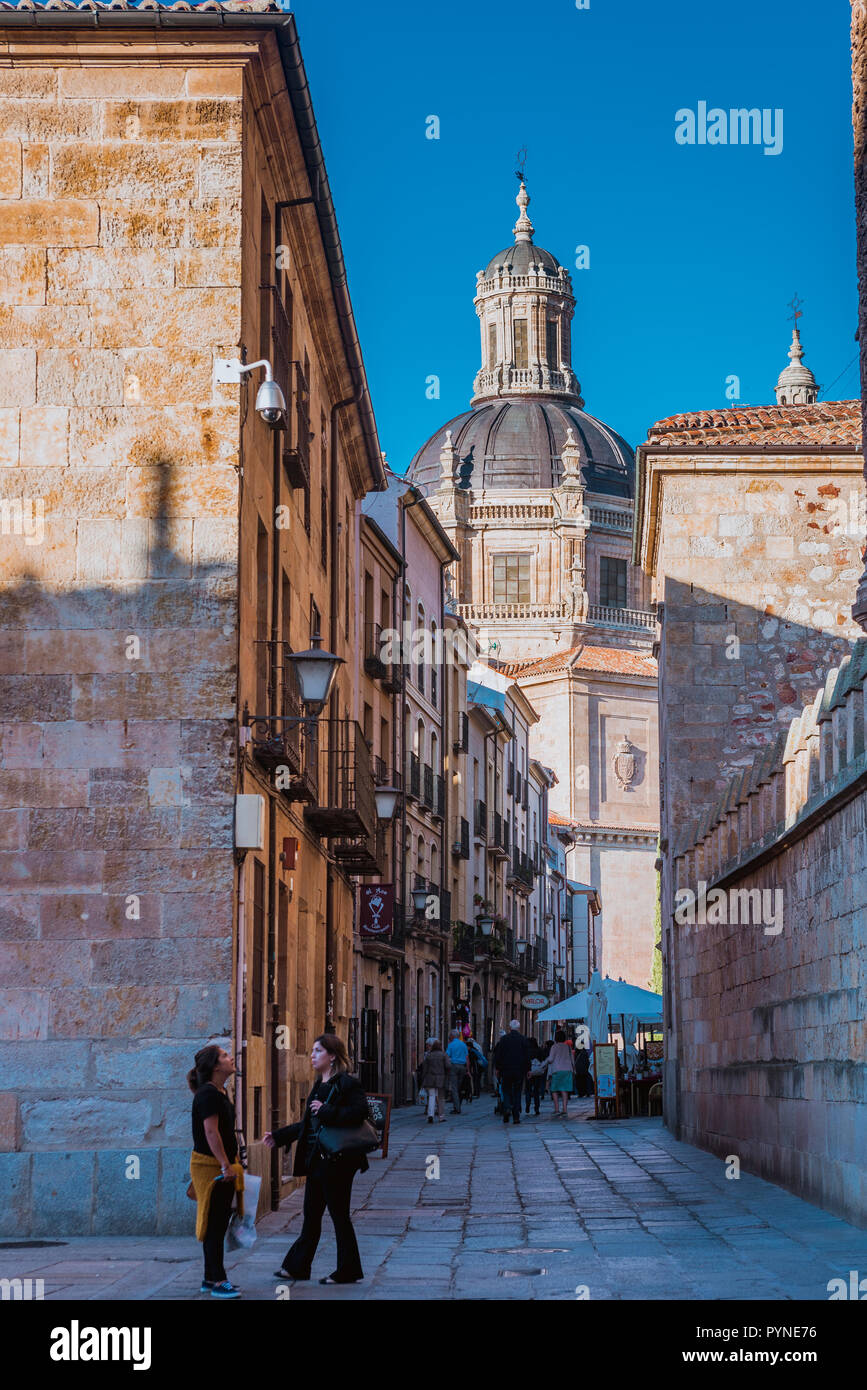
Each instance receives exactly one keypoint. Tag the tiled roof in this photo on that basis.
(826, 424)
(230, 6)
(583, 658)
(554, 818)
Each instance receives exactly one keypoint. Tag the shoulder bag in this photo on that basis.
(349, 1139)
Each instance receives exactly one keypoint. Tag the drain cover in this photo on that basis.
(30, 1244)
(520, 1273)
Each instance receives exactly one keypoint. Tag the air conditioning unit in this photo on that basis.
(249, 822)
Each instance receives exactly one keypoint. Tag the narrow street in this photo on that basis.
(542, 1212)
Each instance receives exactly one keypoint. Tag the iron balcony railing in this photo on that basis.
(463, 943)
(414, 776)
(439, 796)
(374, 665)
(480, 820)
(461, 846)
(346, 805)
(428, 786)
(462, 742)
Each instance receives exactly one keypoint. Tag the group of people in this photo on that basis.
(455, 1072)
(337, 1100)
(523, 1069)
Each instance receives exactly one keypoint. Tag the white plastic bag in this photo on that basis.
(241, 1234)
(422, 1096)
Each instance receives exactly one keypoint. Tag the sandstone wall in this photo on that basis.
(769, 1003)
(120, 283)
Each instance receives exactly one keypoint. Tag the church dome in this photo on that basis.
(520, 259)
(517, 443)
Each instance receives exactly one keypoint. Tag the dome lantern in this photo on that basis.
(525, 305)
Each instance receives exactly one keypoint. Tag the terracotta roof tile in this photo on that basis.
(583, 658)
(826, 424)
(88, 6)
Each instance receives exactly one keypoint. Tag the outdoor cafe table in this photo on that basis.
(637, 1089)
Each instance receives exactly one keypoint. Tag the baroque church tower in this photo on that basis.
(537, 497)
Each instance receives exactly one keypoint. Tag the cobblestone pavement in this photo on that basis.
(542, 1211)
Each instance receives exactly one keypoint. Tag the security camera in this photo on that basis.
(270, 404)
(270, 401)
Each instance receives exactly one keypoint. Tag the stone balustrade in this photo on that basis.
(789, 784)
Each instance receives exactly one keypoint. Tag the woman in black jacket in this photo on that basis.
(337, 1099)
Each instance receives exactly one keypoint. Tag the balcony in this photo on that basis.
(346, 806)
(297, 436)
(462, 742)
(463, 951)
(374, 665)
(361, 856)
(427, 794)
(480, 821)
(622, 617)
(439, 797)
(520, 874)
(289, 750)
(461, 846)
(526, 961)
(414, 790)
(498, 839)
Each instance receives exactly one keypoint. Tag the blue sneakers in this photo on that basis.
(221, 1290)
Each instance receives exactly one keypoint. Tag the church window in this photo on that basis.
(521, 343)
(551, 349)
(492, 345)
(612, 582)
(512, 578)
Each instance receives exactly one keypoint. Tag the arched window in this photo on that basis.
(434, 864)
(434, 668)
(418, 648)
(420, 861)
(434, 754)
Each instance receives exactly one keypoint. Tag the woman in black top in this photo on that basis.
(214, 1136)
(336, 1099)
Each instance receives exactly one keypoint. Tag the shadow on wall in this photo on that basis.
(763, 1009)
(117, 766)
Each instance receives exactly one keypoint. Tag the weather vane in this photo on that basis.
(522, 160)
(795, 305)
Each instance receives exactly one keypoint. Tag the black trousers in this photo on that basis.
(512, 1088)
(329, 1184)
(219, 1211)
(534, 1089)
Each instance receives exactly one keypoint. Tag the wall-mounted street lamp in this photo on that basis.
(419, 899)
(521, 947)
(559, 971)
(316, 671)
(270, 401)
(486, 925)
(386, 802)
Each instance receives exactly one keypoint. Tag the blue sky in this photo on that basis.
(695, 251)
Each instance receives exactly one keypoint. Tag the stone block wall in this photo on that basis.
(119, 285)
(770, 1006)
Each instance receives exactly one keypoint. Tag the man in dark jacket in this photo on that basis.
(512, 1062)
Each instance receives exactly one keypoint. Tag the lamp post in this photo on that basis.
(419, 900)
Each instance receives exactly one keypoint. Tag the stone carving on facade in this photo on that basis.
(624, 763)
(578, 599)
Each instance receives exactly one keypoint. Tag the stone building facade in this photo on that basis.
(164, 206)
(748, 522)
(537, 496)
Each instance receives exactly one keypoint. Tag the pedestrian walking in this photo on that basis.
(560, 1072)
(582, 1072)
(435, 1077)
(478, 1064)
(337, 1100)
(215, 1174)
(458, 1054)
(534, 1086)
(512, 1062)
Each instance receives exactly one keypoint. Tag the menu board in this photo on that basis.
(605, 1072)
(379, 1110)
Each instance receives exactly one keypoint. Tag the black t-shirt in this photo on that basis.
(208, 1101)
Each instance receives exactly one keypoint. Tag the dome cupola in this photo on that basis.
(796, 384)
(525, 305)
